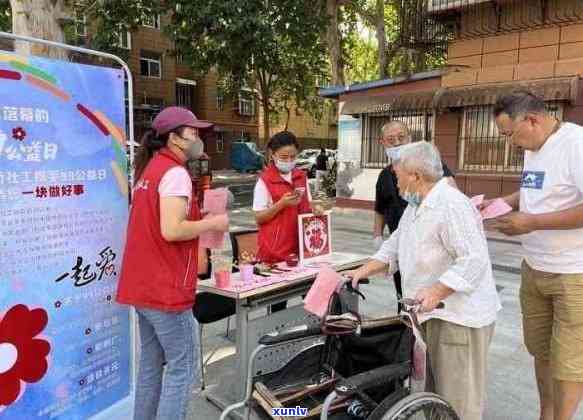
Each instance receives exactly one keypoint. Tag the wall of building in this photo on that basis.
(526, 55)
(544, 53)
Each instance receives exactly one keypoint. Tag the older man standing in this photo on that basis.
(550, 220)
(389, 205)
(441, 250)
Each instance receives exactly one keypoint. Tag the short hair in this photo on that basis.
(397, 123)
(423, 157)
(519, 102)
(282, 139)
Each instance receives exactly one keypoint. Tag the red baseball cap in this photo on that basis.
(173, 117)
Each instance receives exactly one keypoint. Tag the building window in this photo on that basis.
(150, 64)
(152, 21)
(220, 99)
(125, 40)
(420, 123)
(185, 93)
(246, 103)
(220, 142)
(80, 27)
(483, 149)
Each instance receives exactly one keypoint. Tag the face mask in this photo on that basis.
(285, 167)
(393, 153)
(194, 149)
(412, 198)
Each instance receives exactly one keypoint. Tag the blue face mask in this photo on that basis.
(413, 199)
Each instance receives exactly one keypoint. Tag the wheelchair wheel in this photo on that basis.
(421, 406)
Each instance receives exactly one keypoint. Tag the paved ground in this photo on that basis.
(511, 386)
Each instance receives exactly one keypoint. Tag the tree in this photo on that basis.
(275, 46)
(54, 20)
(41, 19)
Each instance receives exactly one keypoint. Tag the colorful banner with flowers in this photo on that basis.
(64, 343)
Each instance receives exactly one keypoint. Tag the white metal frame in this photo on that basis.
(131, 143)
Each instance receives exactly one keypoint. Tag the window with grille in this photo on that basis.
(124, 39)
(185, 94)
(246, 103)
(420, 123)
(151, 64)
(220, 142)
(80, 27)
(152, 21)
(483, 149)
(220, 99)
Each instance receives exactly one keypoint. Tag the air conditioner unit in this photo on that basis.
(442, 5)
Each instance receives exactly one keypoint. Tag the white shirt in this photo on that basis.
(552, 180)
(443, 240)
(262, 198)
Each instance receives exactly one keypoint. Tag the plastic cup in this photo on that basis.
(292, 260)
(246, 273)
(222, 279)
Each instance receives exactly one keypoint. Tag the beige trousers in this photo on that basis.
(458, 361)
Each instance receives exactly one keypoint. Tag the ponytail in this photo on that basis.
(150, 143)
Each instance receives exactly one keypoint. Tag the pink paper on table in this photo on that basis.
(477, 200)
(498, 208)
(318, 296)
(214, 202)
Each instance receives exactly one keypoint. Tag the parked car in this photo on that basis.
(245, 157)
(307, 160)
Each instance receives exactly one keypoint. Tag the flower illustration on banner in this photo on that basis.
(23, 358)
(316, 236)
(18, 133)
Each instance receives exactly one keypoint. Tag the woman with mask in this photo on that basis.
(159, 270)
(281, 194)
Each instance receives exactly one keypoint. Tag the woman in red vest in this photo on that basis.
(159, 270)
(281, 194)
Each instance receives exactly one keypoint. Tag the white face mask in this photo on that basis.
(285, 167)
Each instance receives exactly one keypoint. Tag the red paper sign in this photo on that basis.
(315, 236)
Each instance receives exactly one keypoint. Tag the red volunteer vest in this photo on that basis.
(279, 237)
(155, 273)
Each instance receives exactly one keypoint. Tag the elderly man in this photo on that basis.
(389, 206)
(441, 250)
(550, 220)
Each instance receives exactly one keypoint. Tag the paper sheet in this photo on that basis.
(214, 203)
(477, 200)
(498, 208)
(318, 296)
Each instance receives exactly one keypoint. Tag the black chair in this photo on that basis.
(209, 307)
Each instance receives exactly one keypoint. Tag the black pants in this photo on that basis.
(398, 288)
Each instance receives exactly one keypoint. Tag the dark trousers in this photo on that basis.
(398, 288)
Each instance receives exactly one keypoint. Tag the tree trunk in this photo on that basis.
(381, 38)
(265, 107)
(39, 19)
(333, 41)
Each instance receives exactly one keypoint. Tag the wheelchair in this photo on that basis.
(362, 369)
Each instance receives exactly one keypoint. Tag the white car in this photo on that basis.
(306, 160)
